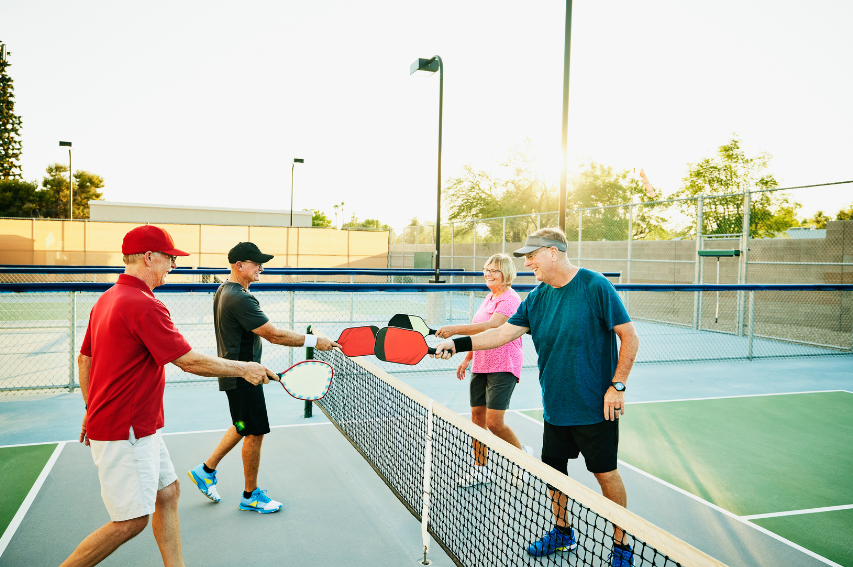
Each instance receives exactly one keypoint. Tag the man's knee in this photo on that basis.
(129, 529)
(169, 495)
(609, 477)
(495, 423)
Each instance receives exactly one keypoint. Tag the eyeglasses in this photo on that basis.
(492, 272)
(530, 255)
(172, 259)
(255, 263)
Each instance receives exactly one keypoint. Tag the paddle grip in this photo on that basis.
(430, 350)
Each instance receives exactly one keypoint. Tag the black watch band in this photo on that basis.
(618, 386)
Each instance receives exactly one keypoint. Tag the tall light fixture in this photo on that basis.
(70, 187)
(428, 67)
(567, 47)
(292, 167)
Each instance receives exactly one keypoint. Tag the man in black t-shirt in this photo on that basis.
(240, 324)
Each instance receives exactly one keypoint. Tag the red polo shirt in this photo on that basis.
(130, 338)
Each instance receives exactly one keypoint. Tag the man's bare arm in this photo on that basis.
(493, 338)
(630, 344)
(204, 365)
(289, 338)
(84, 365)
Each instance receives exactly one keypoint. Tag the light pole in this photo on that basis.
(292, 167)
(567, 47)
(428, 67)
(70, 187)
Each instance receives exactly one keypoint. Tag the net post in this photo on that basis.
(309, 355)
(751, 324)
(426, 487)
(72, 337)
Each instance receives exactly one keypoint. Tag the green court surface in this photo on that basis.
(755, 455)
(19, 469)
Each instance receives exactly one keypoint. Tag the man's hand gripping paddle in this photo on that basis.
(402, 346)
(358, 341)
(307, 380)
(412, 322)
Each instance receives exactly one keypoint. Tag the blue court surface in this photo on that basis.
(337, 511)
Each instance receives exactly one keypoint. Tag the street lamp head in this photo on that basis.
(65, 144)
(424, 67)
(298, 160)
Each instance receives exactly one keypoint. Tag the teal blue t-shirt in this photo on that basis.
(572, 329)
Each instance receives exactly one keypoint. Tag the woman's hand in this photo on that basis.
(460, 370)
(446, 332)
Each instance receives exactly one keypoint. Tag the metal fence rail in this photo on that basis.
(44, 324)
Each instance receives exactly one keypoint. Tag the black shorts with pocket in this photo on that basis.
(598, 443)
(248, 408)
(492, 390)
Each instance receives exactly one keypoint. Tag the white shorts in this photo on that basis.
(131, 473)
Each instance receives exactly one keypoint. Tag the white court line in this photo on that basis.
(741, 519)
(31, 496)
(798, 512)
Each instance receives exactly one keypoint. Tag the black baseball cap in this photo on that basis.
(248, 251)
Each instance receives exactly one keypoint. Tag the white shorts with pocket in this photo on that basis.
(131, 473)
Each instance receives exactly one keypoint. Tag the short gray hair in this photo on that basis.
(129, 259)
(552, 233)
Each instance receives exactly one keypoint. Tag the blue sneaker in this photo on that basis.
(259, 502)
(205, 482)
(621, 557)
(552, 542)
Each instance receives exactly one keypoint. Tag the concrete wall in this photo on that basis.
(109, 211)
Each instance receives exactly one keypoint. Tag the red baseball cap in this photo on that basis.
(149, 238)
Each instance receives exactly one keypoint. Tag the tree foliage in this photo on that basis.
(320, 219)
(25, 199)
(732, 171)
(10, 127)
(372, 224)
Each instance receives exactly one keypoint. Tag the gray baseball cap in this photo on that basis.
(536, 242)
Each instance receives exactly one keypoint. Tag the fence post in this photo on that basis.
(452, 248)
(630, 238)
(470, 305)
(72, 337)
(697, 270)
(538, 221)
(309, 355)
(290, 326)
(580, 234)
(751, 324)
(474, 262)
(744, 258)
(503, 243)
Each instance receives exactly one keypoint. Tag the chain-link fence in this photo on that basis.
(42, 331)
(658, 242)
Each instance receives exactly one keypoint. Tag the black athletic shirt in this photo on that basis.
(236, 313)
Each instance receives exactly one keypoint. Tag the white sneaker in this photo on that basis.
(477, 476)
(520, 476)
(259, 502)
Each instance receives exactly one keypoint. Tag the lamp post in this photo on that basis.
(292, 167)
(567, 47)
(428, 67)
(70, 187)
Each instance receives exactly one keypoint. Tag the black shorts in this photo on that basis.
(248, 409)
(598, 443)
(492, 390)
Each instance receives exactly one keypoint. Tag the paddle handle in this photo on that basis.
(430, 350)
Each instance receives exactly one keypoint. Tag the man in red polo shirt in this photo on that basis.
(130, 338)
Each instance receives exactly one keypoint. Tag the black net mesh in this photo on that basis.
(491, 523)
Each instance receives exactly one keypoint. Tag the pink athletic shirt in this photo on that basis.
(506, 358)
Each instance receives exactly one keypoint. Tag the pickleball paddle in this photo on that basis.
(402, 346)
(413, 322)
(358, 341)
(307, 380)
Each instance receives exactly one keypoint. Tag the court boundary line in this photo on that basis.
(713, 506)
(798, 512)
(714, 398)
(165, 434)
(31, 496)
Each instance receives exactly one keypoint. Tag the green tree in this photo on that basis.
(732, 171)
(373, 224)
(320, 219)
(86, 187)
(21, 199)
(845, 214)
(10, 123)
(818, 220)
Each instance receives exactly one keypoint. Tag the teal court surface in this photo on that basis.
(748, 461)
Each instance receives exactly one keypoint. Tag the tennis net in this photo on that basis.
(398, 431)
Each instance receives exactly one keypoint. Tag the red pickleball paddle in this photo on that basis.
(358, 341)
(402, 346)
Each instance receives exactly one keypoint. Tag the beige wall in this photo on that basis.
(57, 242)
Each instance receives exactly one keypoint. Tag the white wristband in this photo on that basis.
(310, 341)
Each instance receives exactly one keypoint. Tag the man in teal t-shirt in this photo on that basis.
(574, 317)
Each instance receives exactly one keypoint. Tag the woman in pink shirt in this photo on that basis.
(495, 372)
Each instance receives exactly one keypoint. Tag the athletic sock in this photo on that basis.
(247, 494)
(207, 469)
(622, 546)
(565, 530)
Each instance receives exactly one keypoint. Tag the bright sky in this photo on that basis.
(191, 102)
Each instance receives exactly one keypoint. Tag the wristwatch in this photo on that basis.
(618, 386)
